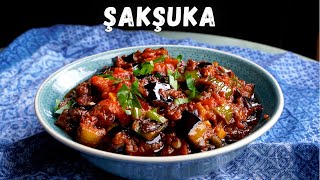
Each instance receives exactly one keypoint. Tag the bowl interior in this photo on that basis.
(58, 84)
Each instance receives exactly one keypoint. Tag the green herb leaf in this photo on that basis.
(67, 106)
(122, 100)
(136, 72)
(128, 97)
(135, 101)
(176, 74)
(179, 101)
(191, 86)
(158, 75)
(173, 83)
(145, 68)
(135, 88)
(160, 59)
(123, 90)
(173, 76)
(106, 76)
(57, 104)
(179, 58)
(123, 96)
(190, 82)
(109, 76)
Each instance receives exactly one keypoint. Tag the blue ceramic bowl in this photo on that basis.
(176, 167)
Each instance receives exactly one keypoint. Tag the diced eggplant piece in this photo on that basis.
(230, 141)
(119, 141)
(251, 118)
(69, 119)
(112, 126)
(135, 66)
(197, 135)
(150, 135)
(66, 123)
(144, 147)
(204, 64)
(155, 140)
(148, 130)
(160, 77)
(247, 102)
(216, 141)
(84, 94)
(176, 143)
(236, 95)
(250, 103)
(153, 90)
(153, 134)
(153, 78)
(186, 123)
(128, 58)
(90, 135)
(202, 84)
(197, 131)
(149, 126)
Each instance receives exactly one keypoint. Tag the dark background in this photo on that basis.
(288, 24)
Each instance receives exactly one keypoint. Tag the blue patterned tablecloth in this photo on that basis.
(290, 150)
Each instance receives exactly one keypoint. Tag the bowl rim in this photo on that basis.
(163, 159)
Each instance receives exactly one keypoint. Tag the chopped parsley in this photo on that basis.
(179, 58)
(109, 76)
(147, 67)
(190, 83)
(160, 59)
(67, 106)
(128, 97)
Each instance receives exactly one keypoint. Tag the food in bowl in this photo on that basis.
(151, 104)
